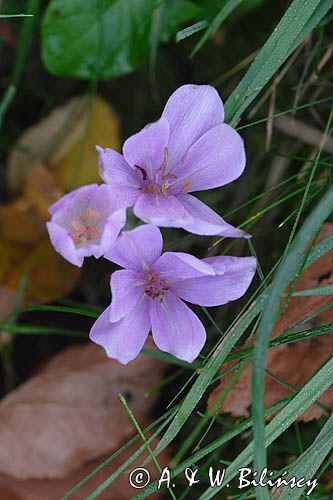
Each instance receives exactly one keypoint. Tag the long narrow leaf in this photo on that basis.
(310, 393)
(285, 273)
(299, 20)
(310, 461)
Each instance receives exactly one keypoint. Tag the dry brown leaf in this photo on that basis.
(65, 140)
(70, 413)
(294, 363)
(53, 489)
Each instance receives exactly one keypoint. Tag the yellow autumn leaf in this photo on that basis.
(65, 141)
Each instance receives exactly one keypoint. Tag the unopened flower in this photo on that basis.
(188, 149)
(148, 295)
(86, 222)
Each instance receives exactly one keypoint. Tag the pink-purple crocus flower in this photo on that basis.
(188, 149)
(86, 222)
(148, 294)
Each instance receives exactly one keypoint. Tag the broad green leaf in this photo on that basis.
(298, 21)
(310, 461)
(95, 38)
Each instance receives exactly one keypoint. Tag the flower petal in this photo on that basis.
(217, 290)
(124, 339)
(137, 249)
(191, 111)
(215, 159)
(176, 329)
(163, 211)
(67, 197)
(126, 293)
(179, 266)
(63, 243)
(90, 208)
(205, 221)
(114, 170)
(146, 148)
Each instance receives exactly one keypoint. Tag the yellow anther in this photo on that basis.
(187, 185)
(165, 159)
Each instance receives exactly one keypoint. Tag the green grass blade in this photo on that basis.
(298, 21)
(323, 290)
(310, 461)
(190, 30)
(303, 399)
(22, 50)
(224, 13)
(211, 447)
(286, 271)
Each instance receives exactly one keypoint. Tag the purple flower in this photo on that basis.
(147, 295)
(86, 222)
(188, 149)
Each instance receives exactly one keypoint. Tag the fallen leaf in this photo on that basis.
(120, 489)
(70, 413)
(293, 363)
(25, 247)
(65, 141)
(22, 220)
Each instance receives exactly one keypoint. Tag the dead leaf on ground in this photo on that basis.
(25, 247)
(70, 413)
(65, 141)
(54, 489)
(294, 363)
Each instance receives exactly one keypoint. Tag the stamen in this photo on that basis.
(85, 228)
(142, 170)
(93, 213)
(163, 188)
(187, 185)
(165, 159)
(149, 188)
(156, 287)
(169, 176)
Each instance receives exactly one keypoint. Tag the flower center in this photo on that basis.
(84, 229)
(162, 183)
(155, 287)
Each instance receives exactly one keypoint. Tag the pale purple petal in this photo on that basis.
(215, 159)
(124, 339)
(179, 266)
(65, 199)
(205, 221)
(112, 227)
(218, 290)
(63, 243)
(86, 223)
(114, 170)
(146, 149)
(163, 211)
(191, 111)
(137, 249)
(176, 329)
(127, 290)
